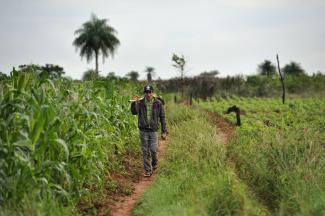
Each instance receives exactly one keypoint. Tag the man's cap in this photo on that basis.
(148, 88)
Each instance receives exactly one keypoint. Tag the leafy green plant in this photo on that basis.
(279, 151)
(57, 138)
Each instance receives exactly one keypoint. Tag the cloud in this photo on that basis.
(231, 36)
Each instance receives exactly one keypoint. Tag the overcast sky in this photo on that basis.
(232, 36)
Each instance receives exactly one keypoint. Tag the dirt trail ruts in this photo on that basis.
(125, 204)
(226, 127)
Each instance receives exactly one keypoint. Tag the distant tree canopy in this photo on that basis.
(293, 68)
(212, 73)
(133, 75)
(50, 71)
(266, 68)
(150, 73)
(112, 75)
(248, 86)
(53, 71)
(30, 68)
(96, 37)
(319, 73)
(90, 74)
(179, 63)
(3, 76)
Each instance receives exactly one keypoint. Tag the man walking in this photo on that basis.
(150, 111)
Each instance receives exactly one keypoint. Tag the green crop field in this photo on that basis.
(279, 151)
(58, 140)
(167, 113)
(196, 178)
(273, 164)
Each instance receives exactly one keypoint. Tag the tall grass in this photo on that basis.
(195, 178)
(57, 140)
(279, 152)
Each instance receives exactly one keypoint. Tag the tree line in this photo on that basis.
(97, 38)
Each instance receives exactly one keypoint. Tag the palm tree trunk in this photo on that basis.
(96, 58)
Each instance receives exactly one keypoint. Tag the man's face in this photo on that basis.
(148, 95)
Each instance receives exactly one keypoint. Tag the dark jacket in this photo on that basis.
(139, 108)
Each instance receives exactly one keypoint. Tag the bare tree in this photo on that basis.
(180, 65)
(282, 79)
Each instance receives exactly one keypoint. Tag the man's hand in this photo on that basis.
(164, 136)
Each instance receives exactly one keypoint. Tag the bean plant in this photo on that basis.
(279, 151)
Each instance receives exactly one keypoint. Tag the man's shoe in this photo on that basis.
(147, 174)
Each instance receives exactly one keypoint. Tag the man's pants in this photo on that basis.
(149, 146)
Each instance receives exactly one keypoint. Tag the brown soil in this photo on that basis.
(130, 185)
(119, 204)
(117, 184)
(227, 130)
(226, 127)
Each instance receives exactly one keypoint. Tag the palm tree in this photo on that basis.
(150, 73)
(96, 37)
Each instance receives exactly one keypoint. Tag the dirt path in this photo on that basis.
(125, 204)
(226, 128)
(227, 131)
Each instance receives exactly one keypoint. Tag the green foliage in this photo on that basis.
(179, 63)
(53, 71)
(293, 68)
(250, 86)
(263, 85)
(3, 76)
(194, 178)
(58, 139)
(96, 37)
(209, 74)
(90, 74)
(180, 114)
(111, 75)
(279, 151)
(28, 68)
(50, 71)
(266, 68)
(133, 75)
